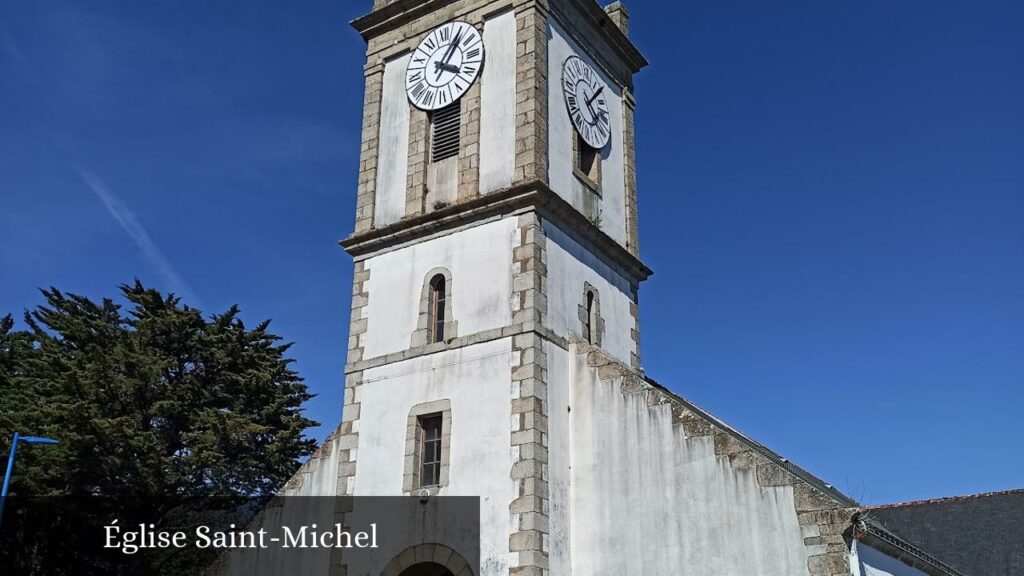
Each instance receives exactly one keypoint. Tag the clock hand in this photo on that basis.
(594, 97)
(450, 52)
(448, 67)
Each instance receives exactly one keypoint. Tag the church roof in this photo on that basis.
(978, 534)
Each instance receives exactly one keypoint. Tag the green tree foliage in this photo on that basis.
(151, 402)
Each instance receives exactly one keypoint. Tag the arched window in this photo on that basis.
(591, 323)
(437, 305)
(434, 323)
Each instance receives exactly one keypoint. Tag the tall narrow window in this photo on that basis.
(444, 131)
(437, 304)
(589, 314)
(430, 449)
(591, 325)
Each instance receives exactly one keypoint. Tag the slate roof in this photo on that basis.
(978, 535)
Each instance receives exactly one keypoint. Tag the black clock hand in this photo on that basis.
(448, 54)
(594, 97)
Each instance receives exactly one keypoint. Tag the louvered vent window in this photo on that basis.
(444, 137)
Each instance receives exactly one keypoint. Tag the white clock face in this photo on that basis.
(586, 98)
(444, 65)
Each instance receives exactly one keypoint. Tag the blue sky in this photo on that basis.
(832, 199)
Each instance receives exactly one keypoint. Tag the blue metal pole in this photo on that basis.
(7, 475)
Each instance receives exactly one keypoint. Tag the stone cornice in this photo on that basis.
(534, 195)
(401, 12)
(395, 15)
(595, 19)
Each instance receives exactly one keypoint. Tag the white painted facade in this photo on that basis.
(480, 262)
(475, 380)
(570, 267)
(498, 104)
(393, 160)
(633, 495)
(611, 201)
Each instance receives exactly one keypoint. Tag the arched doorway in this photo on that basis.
(427, 569)
(428, 560)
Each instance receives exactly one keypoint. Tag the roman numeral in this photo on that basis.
(427, 98)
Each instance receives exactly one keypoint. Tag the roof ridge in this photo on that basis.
(945, 499)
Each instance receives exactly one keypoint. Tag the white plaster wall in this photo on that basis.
(498, 104)
(319, 475)
(569, 265)
(559, 370)
(480, 260)
(393, 142)
(871, 562)
(476, 380)
(648, 500)
(612, 201)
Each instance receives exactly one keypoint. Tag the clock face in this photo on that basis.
(586, 100)
(444, 65)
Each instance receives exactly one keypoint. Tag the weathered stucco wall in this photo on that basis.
(480, 262)
(498, 104)
(611, 202)
(871, 562)
(569, 266)
(559, 363)
(475, 379)
(318, 476)
(633, 493)
(393, 155)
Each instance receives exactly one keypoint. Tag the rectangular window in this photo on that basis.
(430, 450)
(444, 131)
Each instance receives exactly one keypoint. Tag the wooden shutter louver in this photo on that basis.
(445, 125)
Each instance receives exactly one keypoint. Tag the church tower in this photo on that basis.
(494, 349)
(496, 228)
(496, 225)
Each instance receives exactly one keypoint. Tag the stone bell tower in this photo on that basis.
(491, 236)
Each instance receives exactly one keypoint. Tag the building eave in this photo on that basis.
(874, 534)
